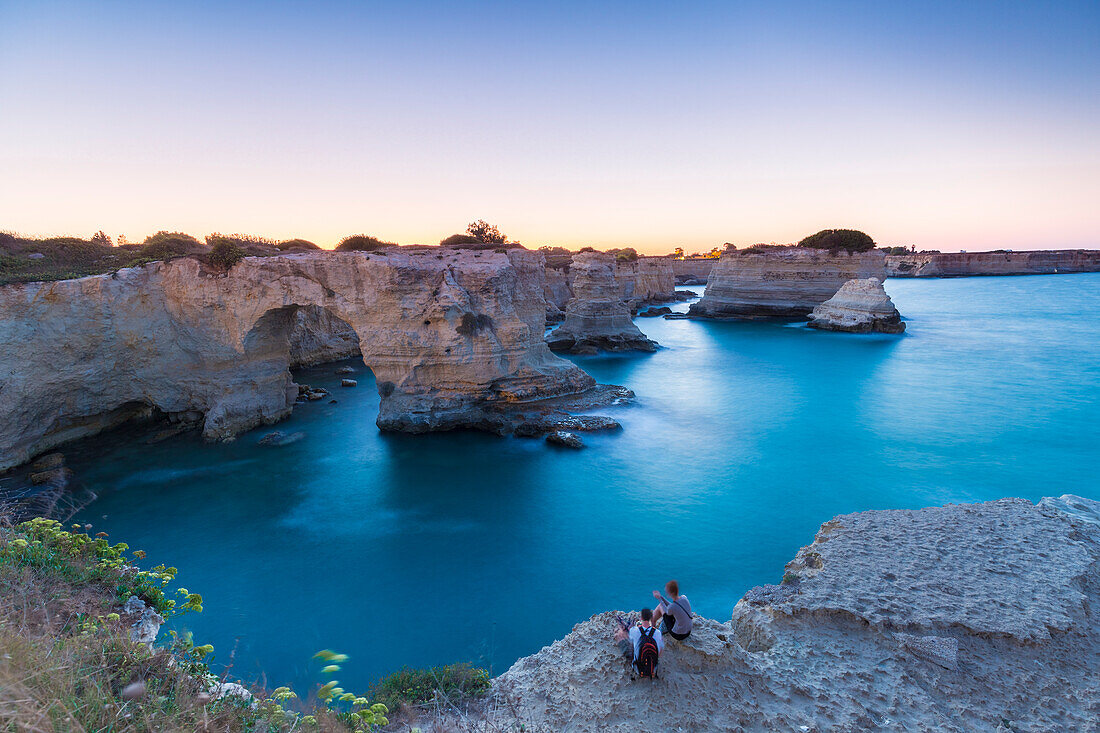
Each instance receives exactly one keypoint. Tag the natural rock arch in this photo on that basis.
(449, 335)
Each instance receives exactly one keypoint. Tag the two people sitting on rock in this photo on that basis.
(674, 612)
(641, 643)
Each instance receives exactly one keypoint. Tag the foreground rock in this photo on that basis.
(966, 264)
(958, 618)
(781, 281)
(860, 306)
(450, 336)
(596, 317)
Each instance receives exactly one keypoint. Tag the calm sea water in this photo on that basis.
(745, 437)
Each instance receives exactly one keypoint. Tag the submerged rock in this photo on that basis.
(542, 424)
(565, 439)
(345, 370)
(860, 306)
(348, 383)
(279, 438)
(654, 312)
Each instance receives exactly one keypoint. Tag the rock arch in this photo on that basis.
(449, 335)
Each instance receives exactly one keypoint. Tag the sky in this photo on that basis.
(943, 125)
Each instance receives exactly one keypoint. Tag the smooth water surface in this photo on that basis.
(745, 437)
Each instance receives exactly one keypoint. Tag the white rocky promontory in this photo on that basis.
(968, 617)
(860, 306)
(450, 335)
(781, 281)
(596, 317)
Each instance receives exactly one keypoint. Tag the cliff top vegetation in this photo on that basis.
(836, 240)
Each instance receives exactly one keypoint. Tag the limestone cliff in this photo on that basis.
(318, 336)
(781, 281)
(646, 280)
(957, 618)
(860, 306)
(596, 317)
(964, 264)
(448, 334)
(692, 270)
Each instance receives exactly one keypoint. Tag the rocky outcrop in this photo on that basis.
(596, 317)
(452, 337)
(957, 618)
(966, 264)
(646, 280)
(781, 281)
(860, 306)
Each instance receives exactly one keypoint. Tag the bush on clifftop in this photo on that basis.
(362, 243)
(296, 245)
(835, 240)
(225, 253)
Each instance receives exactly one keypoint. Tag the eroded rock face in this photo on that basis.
(646, 280)
(781, 282)
(966, 264)
(319, 336)
(596, 317)
(954, 618)
(860, 306)
(449, 335)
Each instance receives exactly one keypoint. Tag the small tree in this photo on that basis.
(836, 240)
(101, 239)
(483, 231)
(678, 253)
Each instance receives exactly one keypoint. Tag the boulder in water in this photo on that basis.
(565, 439)
(860, 306)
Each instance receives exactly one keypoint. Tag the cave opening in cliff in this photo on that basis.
(303, 336)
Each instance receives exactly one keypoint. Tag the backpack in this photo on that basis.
(648, 655)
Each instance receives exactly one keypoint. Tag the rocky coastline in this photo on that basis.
(956, 618)
(970, 264)
(597, 317)
(781, 282)
(454, 338)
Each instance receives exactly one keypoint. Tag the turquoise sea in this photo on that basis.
(745, 437)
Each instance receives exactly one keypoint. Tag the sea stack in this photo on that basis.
(860, 306)
(596, 317)
(786, 282)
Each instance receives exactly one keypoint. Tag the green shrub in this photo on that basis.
(412, 687)
(836, 240)
(458, 239)
(225, 253)
(362, 243)
(167, 245)
(626, 254)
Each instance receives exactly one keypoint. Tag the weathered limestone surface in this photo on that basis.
(646, 280)
(860, 306)
(596, 317)
(782, 281)
(318, 336)
(448, 334)
(964, 264)
(957, 618)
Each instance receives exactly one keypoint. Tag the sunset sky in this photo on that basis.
(944, 125)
